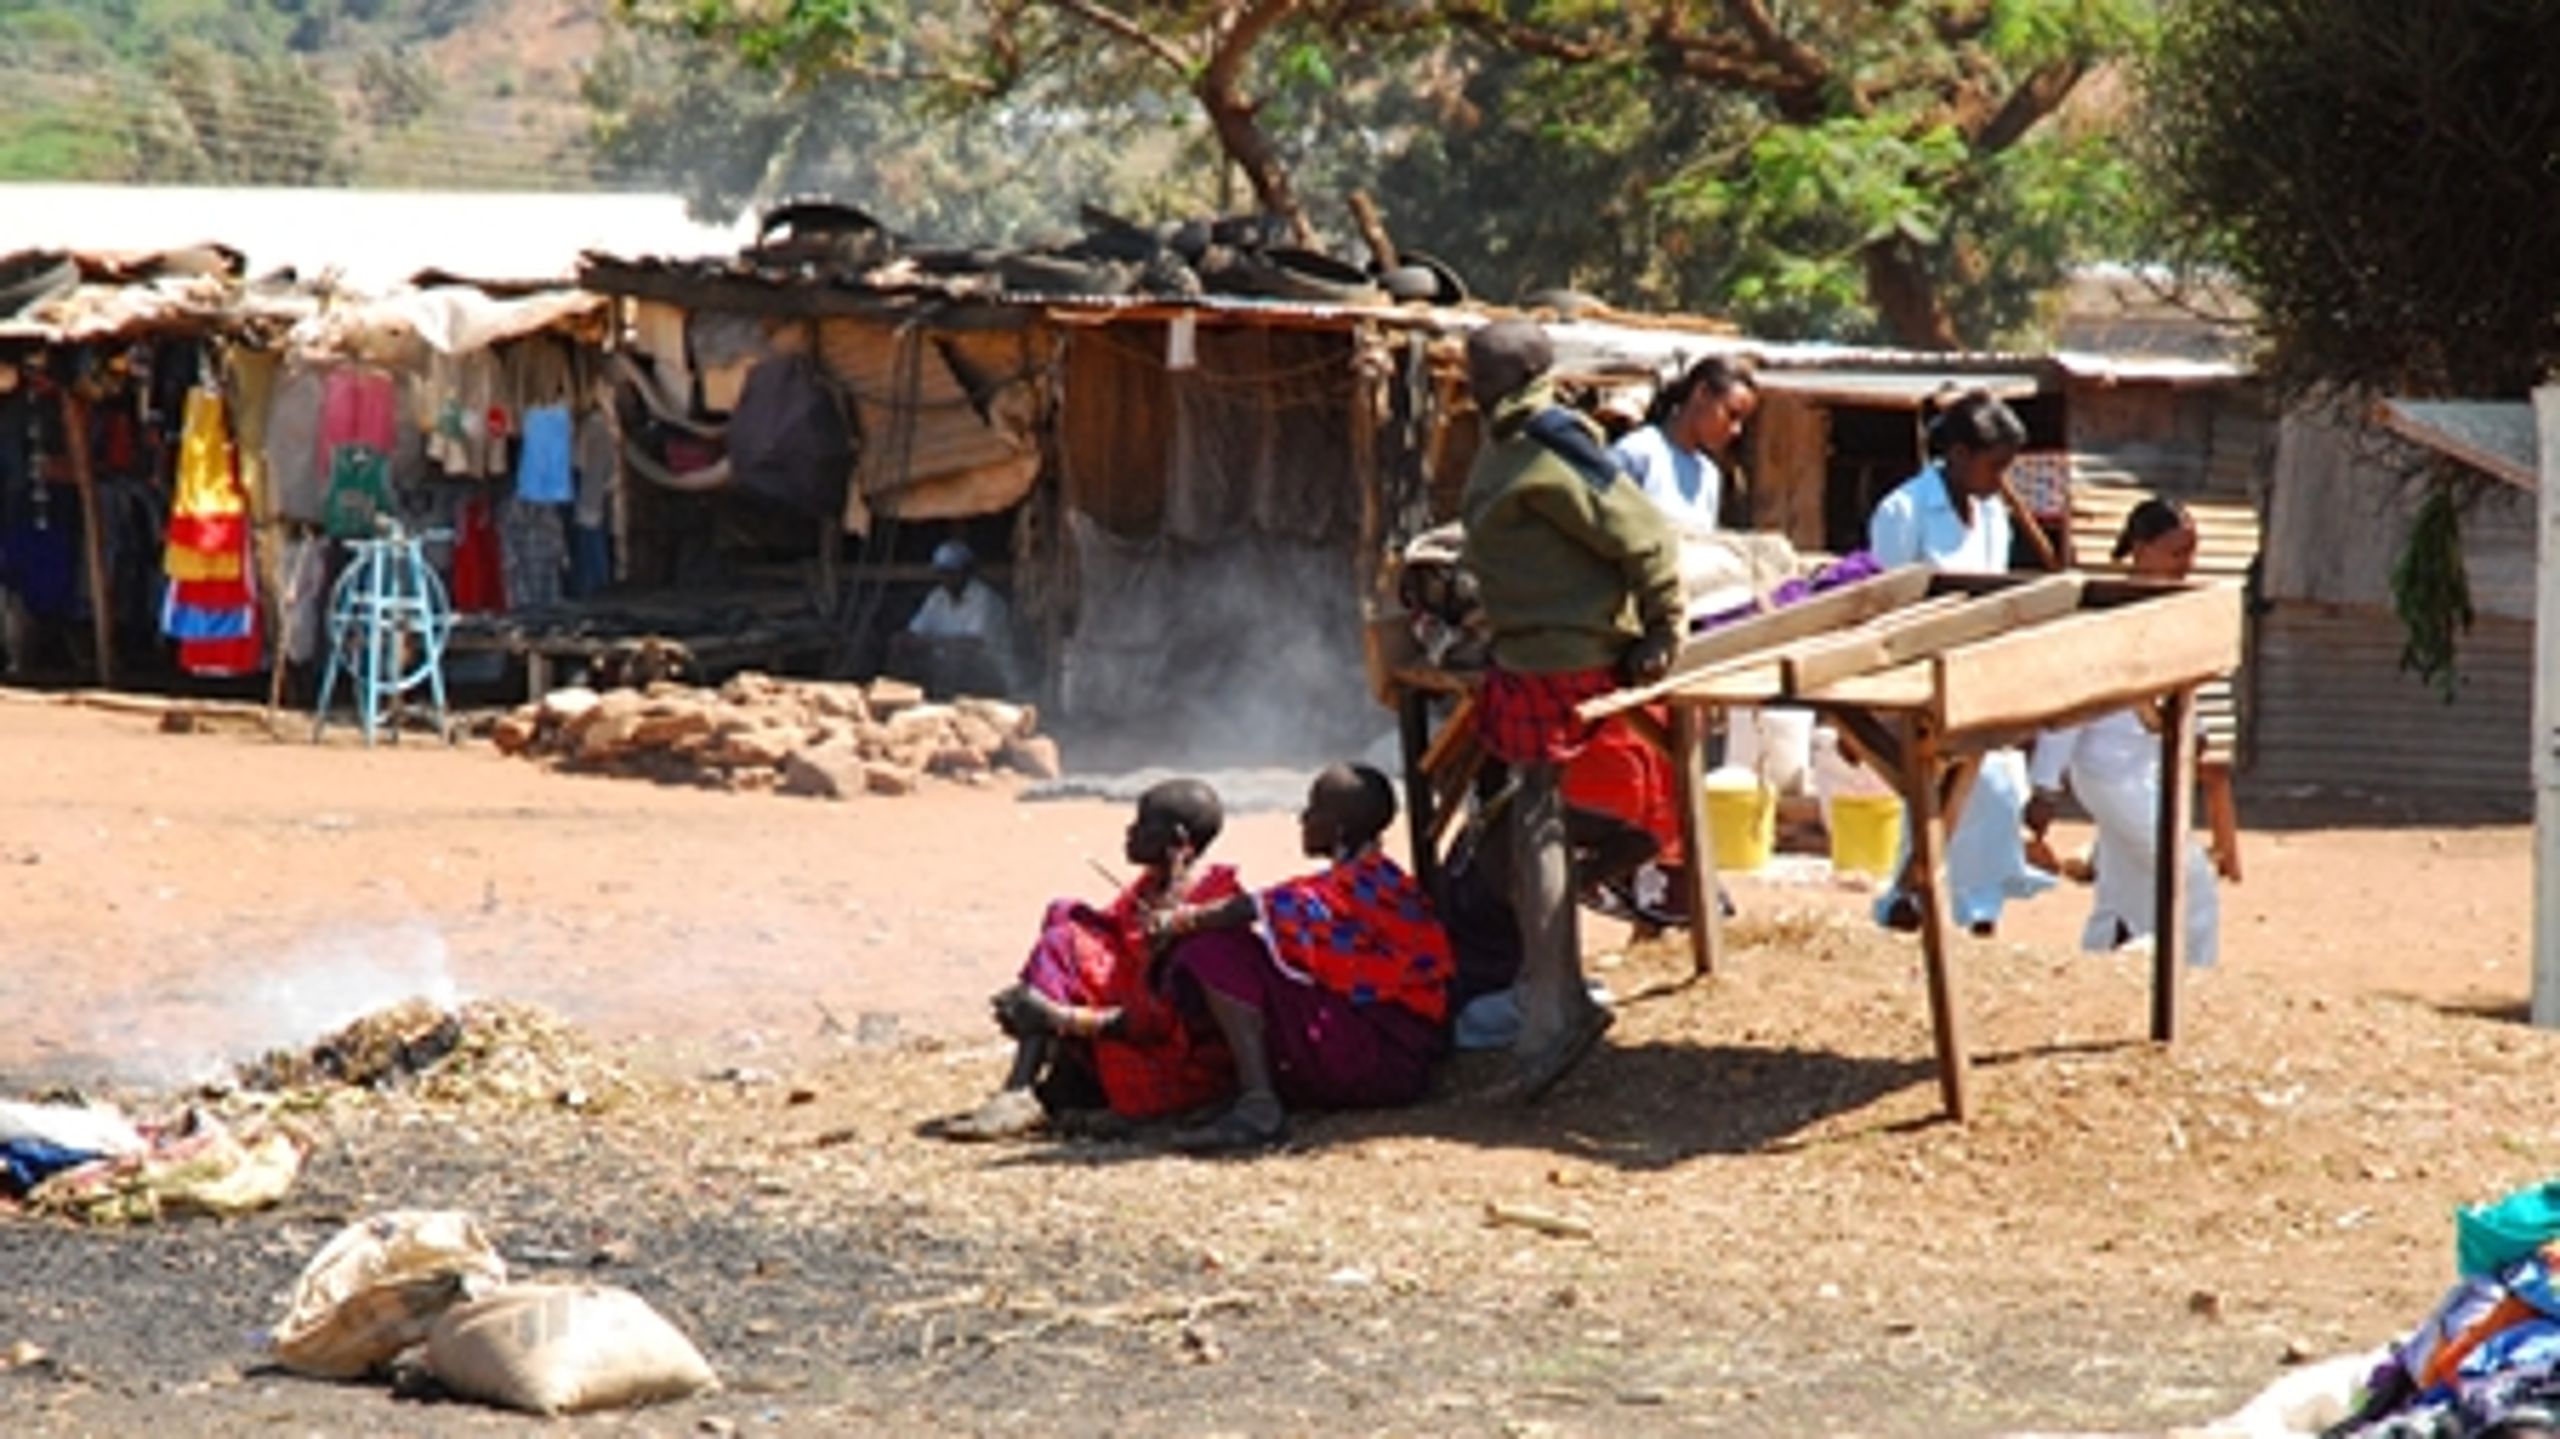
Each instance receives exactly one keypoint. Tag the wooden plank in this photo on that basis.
(2222, 816)
(1697, 838)
(1848, 605)
(1413, 727)
(1901, 638)
(1928, 876)
(2094, 659)
(2169, 875)
(102, 615)
(1904, 687)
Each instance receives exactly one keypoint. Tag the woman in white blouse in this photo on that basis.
(2112, 764)
(1950, 517)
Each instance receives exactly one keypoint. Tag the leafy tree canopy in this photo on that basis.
(2383, 179)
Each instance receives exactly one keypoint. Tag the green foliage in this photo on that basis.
(2383, 179)
(2431, 591)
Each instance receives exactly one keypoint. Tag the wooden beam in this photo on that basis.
(1928, 888)
(1697, 839)
(2097, 659)
(1413, 718)
(1904, 687)
(2546, 717)
(1848, 605)
(1927, 628)
(2169, 871)
(84, 476)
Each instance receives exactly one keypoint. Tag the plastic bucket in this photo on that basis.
(1866, 833)
(1743, 818)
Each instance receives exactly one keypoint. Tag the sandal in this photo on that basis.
(1234, 1132)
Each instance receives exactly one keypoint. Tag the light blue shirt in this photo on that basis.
(1918, 524)
(1686, 485)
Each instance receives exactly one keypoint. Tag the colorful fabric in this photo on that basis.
(359, 491)
(210, 606)
(479, 563)
(1363, 929)
(2489, 1237)
(1327, 1050)
(535, 551)
(1620, 773)
(1098, 959)
(1532, 719)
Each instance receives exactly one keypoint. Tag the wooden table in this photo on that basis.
(1926, 674)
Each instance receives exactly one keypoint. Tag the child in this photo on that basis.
(1344, 1006)
(1094, 1027)
(2113, 766)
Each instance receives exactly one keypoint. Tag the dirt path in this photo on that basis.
(1782, 1239)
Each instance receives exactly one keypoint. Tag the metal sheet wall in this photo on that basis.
(2335, 710)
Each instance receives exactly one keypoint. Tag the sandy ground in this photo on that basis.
(166, 900)
(1782, 1237)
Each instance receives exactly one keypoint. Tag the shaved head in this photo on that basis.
(1503, 357)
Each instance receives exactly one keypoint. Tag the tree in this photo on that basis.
(727, 135)
(2383, 180)
(1899, 154)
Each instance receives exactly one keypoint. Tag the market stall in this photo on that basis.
(1925, 673)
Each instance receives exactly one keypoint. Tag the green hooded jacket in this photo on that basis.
(1573, 561)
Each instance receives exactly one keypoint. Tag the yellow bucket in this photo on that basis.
(1743, 818)
(1866, 833)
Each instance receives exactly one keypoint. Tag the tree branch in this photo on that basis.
(2038, 95)
(1126, 31)
(1797, 61)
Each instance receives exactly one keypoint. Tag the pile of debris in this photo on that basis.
(485, 1050)
(758, 733)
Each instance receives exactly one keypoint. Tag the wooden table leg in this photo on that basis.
(1697, 837)
(2169, 878)
(537, 675)
(1929, 868)
(1413, 723)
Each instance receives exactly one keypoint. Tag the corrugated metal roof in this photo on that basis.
(1894, 389)
(2495, 437)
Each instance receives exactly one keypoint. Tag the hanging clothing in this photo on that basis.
(536, 552)
(208, 512)
(543, 474)
(2113, 766)
(479, 562)
(297, 473)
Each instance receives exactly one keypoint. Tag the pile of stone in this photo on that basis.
(758, 733)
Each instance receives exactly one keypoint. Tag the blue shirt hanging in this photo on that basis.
(542, 463)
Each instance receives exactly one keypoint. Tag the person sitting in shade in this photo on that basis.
(960, 640)
(1341, 1002)
(1092, 1025)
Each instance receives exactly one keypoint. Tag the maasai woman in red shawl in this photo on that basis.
(1095, 1028)
(1343, 1006)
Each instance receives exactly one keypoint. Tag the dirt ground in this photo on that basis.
(1773, 1231)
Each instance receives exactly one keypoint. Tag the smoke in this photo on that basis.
(1245, 653)
(321, 984)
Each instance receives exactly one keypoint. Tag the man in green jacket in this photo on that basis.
(1580, 578)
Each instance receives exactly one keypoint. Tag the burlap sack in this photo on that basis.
(377, 1287)
(563, 1349)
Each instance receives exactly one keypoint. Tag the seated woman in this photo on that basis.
(1343, 1008)
(1094, 1029)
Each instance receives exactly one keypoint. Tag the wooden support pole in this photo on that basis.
(1928, 879)
(1697, 838)
(1413, 716)
(2169, 877)
(2546, 716)
(102, 618)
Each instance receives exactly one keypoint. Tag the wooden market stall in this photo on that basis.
(1925, 673)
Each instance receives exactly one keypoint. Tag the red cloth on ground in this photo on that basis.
(1363, 929)
(1619, 773)
(1098, 959)
(1530, 719)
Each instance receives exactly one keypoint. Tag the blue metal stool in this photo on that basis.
(388, 621)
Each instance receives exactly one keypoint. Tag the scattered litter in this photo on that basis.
(1544, 1221)
(486, 1049)
(199, 1166)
